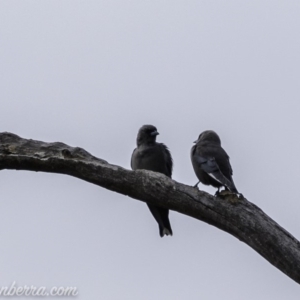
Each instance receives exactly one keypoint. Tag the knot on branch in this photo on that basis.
(79, 153)
(232, 198)
(7, 137)
(66, 153)
(6, 149)
(76, 153)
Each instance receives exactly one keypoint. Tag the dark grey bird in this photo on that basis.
(153, 156)
(211, 162)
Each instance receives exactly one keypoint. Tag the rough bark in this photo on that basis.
(237, 216)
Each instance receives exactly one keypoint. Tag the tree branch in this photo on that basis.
(239, 217)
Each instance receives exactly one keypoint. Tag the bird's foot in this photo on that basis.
(217, 192)
(196, 185)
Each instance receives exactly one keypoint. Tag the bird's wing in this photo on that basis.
(222, 159)
(167, 159)
(133, 167)
(216, 164)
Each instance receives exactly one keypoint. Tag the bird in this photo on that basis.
(211, 162)
(153, 156)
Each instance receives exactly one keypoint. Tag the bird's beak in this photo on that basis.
(154, 133)
(195, 142)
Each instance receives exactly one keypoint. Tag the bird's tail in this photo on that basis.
(161, 216)
(227, 183)
(165, 230)
(233, 189)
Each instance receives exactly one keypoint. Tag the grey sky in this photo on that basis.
(89, 74)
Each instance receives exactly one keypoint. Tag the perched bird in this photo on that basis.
(153, 156)
(211, 162)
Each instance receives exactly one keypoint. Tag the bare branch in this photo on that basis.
(238, 217)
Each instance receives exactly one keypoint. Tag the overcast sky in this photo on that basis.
(89, 74)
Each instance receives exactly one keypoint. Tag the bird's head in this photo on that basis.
(208, 136)
(147, 135)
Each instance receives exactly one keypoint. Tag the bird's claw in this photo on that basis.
(217, 193)
(240, 196)
(196, 185)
